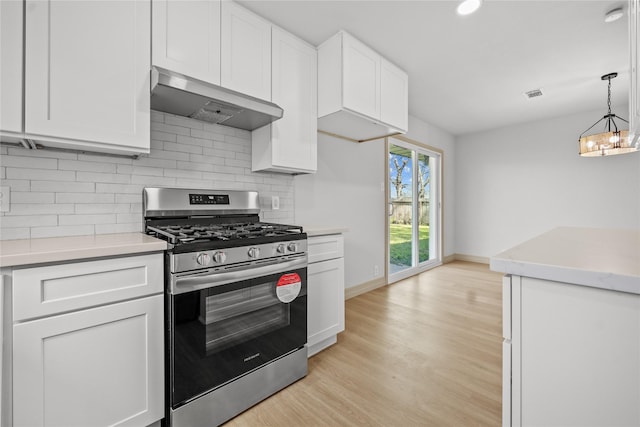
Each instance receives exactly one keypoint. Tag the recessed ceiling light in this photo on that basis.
(468, 6)
(614, 14)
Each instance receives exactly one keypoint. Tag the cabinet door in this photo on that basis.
(394, 96)
(634, 44)
(325, 316)
(87, 71)
(186, 38)
(246, 51)
(97, 367)
(361, 78)
(580, 354)
(11, 64)
(295, 90)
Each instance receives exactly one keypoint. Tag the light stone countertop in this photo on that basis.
(59, 249)
(322, 230)
(600, 258)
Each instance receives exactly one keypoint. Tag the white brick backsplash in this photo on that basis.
(93, 166)
(40, 209)
(139, 170)
(118, 188)
(61, 186)
(103, 208)
(60, 231)
(103, 177)
(28, 221)
(129, 198)
(202, 167)
(56, 193)
(153, 181)
(85, 198)
(14, 233)
(32, 197)
(17, 184)
(87, 219)
(182, 173)
(207, 159)
(48, 174)
(194, 141)
(28, 162)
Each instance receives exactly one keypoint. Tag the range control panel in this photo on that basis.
(208, 199)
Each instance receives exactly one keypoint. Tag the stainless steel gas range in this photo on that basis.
(236, 302)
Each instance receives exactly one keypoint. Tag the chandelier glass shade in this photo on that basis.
(612, 140)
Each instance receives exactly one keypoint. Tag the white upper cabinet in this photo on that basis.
(634, 44)
(246, 51)
(87, 78)
(11, 62)
(361, 78)
(290, 144)
(394, 95)
(186, 38)
(361, 95)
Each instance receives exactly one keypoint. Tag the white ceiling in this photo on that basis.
(468, 74)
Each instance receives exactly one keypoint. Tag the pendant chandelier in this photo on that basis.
(612, 140)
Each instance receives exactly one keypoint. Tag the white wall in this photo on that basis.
(517, 182)
(348, 191)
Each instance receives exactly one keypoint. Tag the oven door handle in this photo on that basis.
(195, 282)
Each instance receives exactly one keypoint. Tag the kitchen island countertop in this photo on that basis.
(59, 249)
(600, 258)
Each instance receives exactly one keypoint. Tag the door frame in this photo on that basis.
(439, 212)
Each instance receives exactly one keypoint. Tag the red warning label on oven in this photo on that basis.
(288, 287)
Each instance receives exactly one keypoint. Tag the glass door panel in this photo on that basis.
(400, 209)
(424, 196)
(413, 209)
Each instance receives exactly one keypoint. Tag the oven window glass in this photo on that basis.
(225, 331)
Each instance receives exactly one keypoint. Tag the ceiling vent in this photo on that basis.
(533, 93)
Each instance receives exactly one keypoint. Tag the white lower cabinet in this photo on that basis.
(100, 364)
(574, 356)
(325, 294)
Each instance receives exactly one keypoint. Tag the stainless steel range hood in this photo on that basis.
(185, 96)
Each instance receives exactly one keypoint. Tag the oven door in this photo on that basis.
(225, 330)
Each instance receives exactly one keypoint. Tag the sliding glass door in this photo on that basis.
(413, 208)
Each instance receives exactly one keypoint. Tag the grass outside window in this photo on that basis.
(400, 243)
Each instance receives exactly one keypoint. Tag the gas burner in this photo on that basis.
(200, 232)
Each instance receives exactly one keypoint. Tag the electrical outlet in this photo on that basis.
(5, 199)
(275, 203)
(376, 271)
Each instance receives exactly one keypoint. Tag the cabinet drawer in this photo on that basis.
(43, 291)
(322, 248)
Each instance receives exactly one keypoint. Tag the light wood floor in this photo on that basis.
(426, 351)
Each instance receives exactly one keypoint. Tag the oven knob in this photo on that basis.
(281, 249)
(292, 247)
(203, 259)
(254, 252)
(219, 257)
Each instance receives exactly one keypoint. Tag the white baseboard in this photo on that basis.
(364, 287)
(471, 258)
